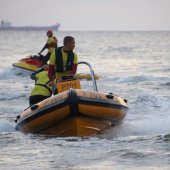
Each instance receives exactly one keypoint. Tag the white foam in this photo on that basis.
(156, 125)
(153, 126)
(8, 96)
(6, 73)
(132, 79)
(6, 126)
(10, 72)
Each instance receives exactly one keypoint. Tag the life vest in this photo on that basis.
(59, 60)
(52, 42)
(55, 40)
(41, 85)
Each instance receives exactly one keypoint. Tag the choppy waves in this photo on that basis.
(6, 126)
(133, 67)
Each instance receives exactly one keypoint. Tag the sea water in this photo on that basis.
(133, 65)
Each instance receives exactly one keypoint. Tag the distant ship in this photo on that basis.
(8, 26)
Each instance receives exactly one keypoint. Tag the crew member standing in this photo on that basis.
(63, 60)
(51, 44)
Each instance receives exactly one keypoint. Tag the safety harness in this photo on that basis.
(44, 85)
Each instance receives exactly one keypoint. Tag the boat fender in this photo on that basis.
(33, 107)
(110, 96)
(125, 100)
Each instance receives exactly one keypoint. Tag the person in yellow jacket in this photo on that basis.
(42, 90)
(51, 44)
(63, 61)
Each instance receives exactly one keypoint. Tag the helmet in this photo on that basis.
(50, 32)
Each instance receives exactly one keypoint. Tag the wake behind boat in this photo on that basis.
(73, 111)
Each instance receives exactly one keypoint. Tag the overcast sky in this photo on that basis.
(89, 14)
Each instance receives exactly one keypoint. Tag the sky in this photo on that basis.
(89, 14)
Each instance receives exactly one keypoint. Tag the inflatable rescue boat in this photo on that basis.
(33, 63)
(73, 111)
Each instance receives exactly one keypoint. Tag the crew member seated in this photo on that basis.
(42, 90)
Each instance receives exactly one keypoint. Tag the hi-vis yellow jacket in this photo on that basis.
(41, 85)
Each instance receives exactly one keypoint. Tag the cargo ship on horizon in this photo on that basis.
(8, 26)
